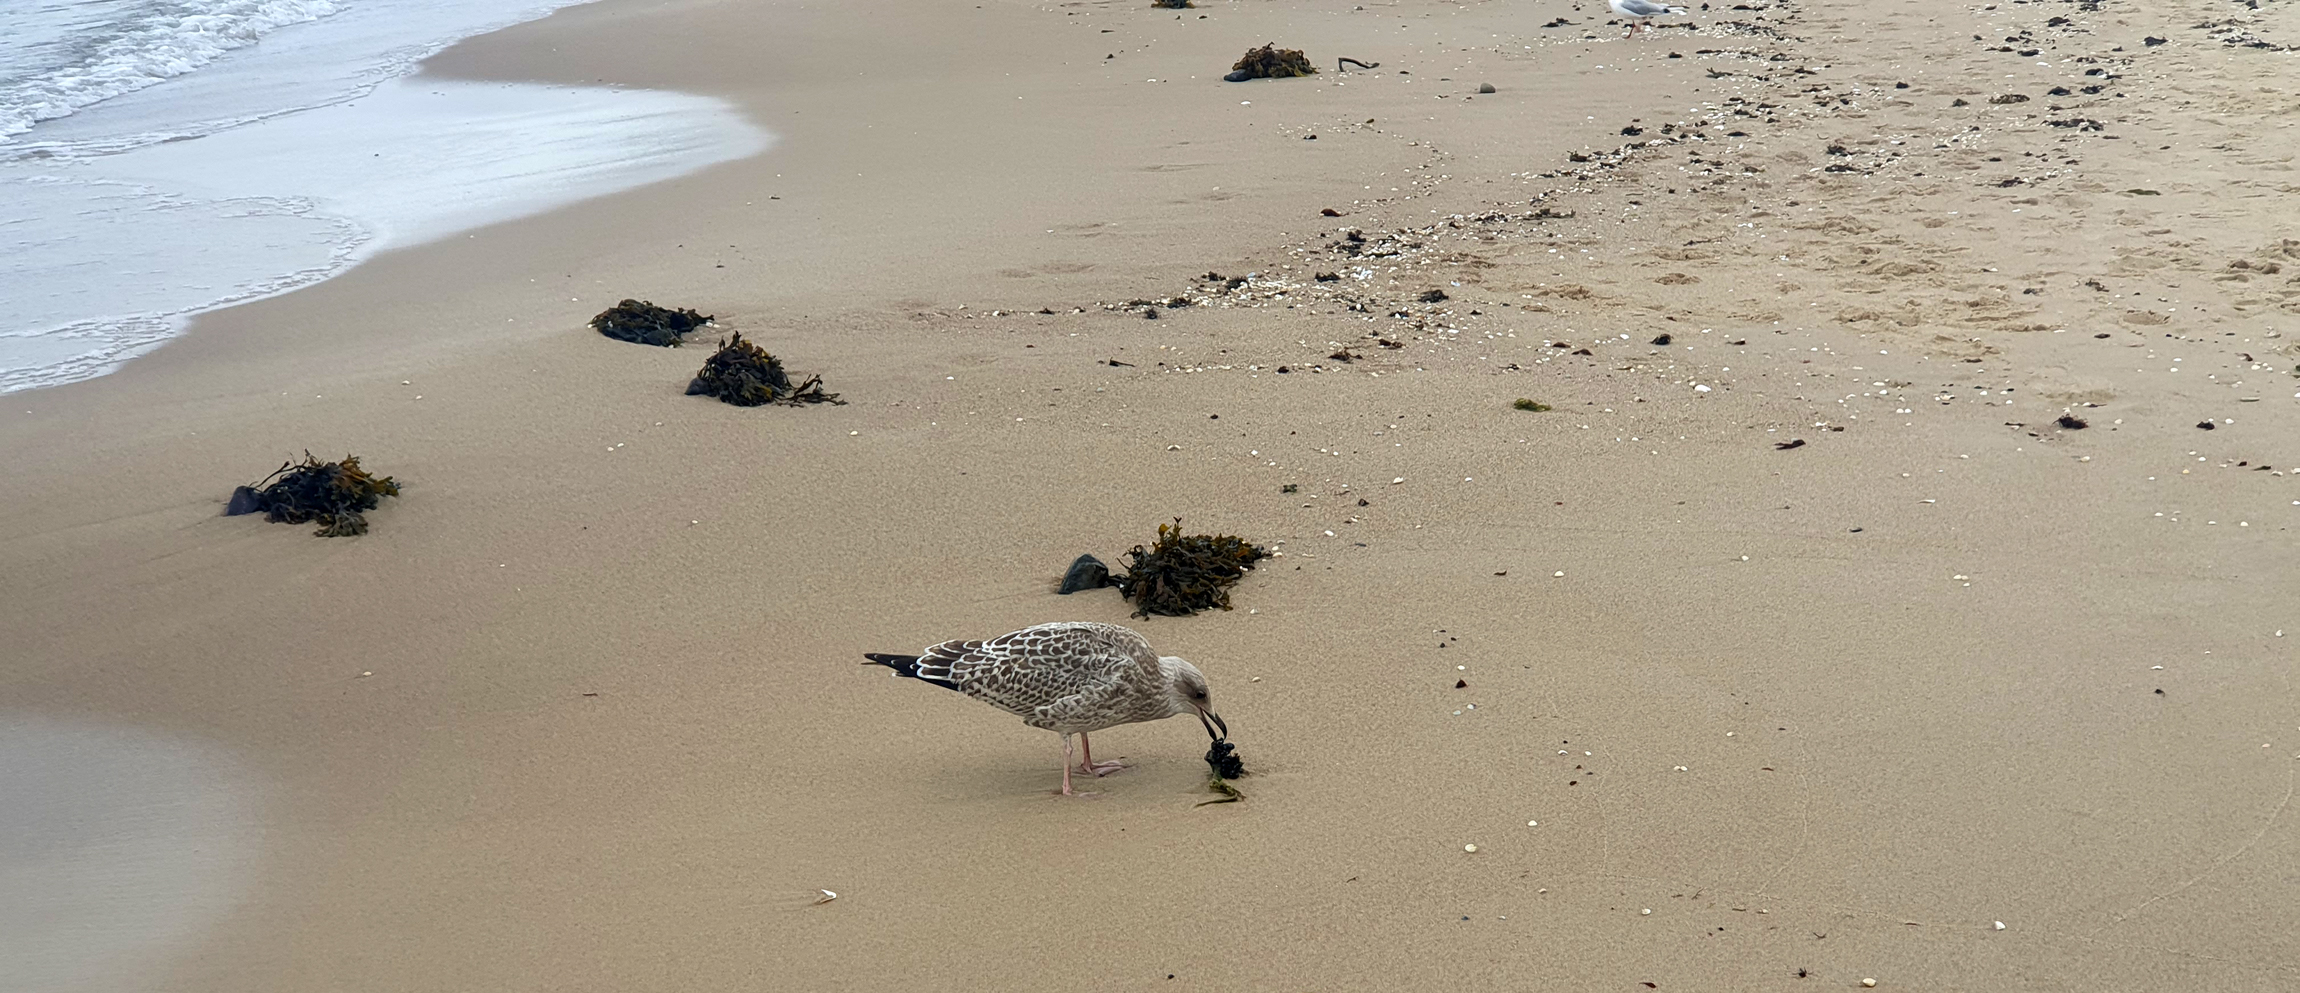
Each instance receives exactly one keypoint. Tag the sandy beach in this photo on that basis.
(1900, 588)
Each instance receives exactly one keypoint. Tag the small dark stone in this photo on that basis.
(1485, 87)
(2072, 422)
(1238, 76)
(1432, 296)
(1793, 443)
(2152, 41)
(245, 500)
(1461, 684)
(1087, 573)
(1661, 339)
(2206, 425)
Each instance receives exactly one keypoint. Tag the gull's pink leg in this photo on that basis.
(1066, 790)
(1091, 766)
(1066, 766)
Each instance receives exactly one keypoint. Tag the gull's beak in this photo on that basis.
(1212, 721)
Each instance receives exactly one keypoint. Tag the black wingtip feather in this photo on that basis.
(906, 665)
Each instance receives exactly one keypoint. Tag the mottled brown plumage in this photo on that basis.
(1070, 677)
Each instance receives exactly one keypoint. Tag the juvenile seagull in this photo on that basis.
(1639, 11)
(1070, 677)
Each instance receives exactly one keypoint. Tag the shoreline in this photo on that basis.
(579, 710)
(276, 194)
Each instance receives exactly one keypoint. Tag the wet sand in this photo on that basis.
(583, 710)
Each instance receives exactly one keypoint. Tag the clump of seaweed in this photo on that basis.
(1271, 62)
(743, 374)
(1182, 574)
(1535, 406)
(1223, 759)
(336, 494)
(644, 323)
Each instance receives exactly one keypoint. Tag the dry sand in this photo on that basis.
(583, 711)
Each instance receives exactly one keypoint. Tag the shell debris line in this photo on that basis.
(1071, 678)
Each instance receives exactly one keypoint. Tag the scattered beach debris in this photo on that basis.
(1792, 443)
(826, 897)
(1086, 573)
(336, 494)
(1432, 296)
(1345, 60)
(1536, 406)
(641, 322)
(2206, 425)
(1180, 574)
(1662, 339)
(2072, 422)
(1173, 4)
(1271, 62)
(743, 374)
(1290, 488)
(1485, 88)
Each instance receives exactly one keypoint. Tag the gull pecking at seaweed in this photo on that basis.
(1069, 677)
(1640, 11)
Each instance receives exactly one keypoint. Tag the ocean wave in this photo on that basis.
(155, 44)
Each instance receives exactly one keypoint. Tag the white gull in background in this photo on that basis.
(1640, 12)
(1069, 677)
